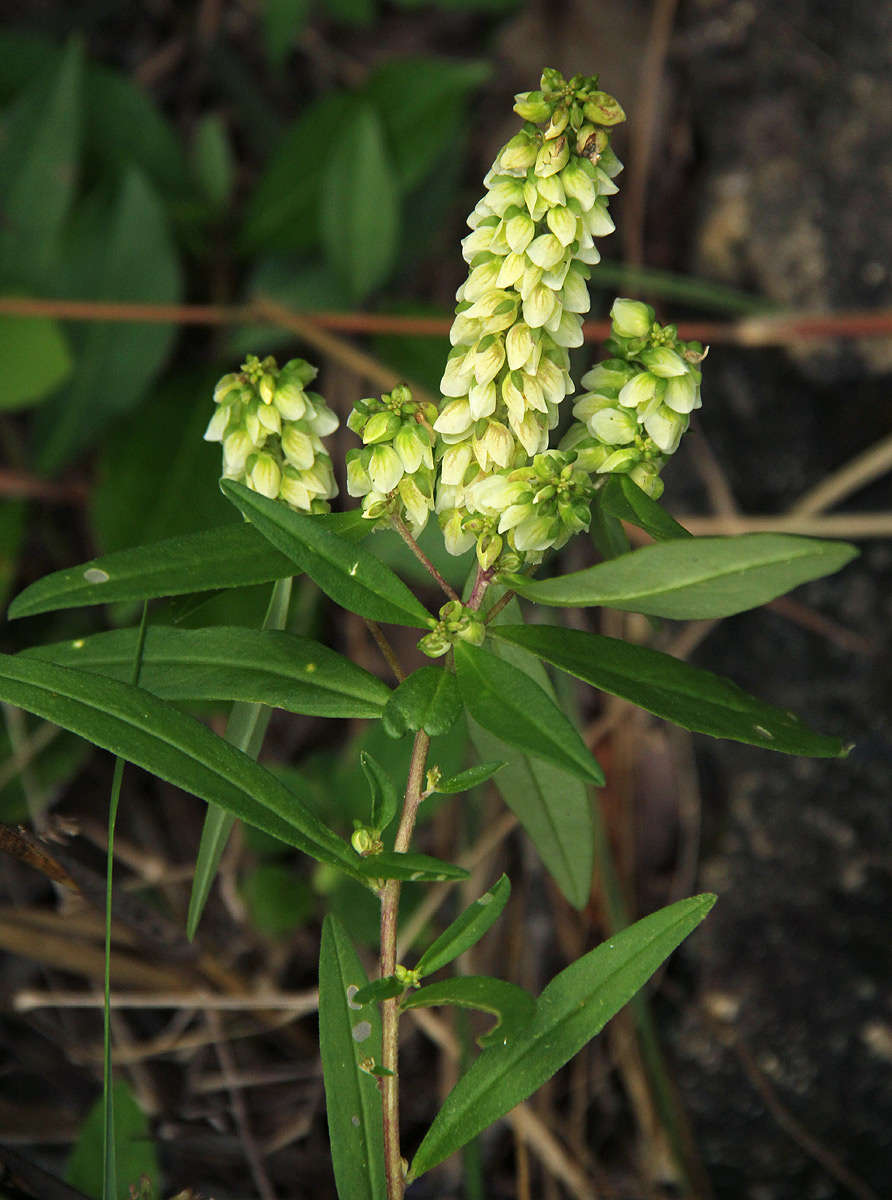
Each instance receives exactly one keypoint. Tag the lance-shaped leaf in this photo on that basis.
(230, 556)
(269, 666)
(378, 990)
(151, 733)
(349, 575)
(427, 699)
(512, 1007)
(350, 1036)
(385, 800)
(471, 778)
(410, 867)
(670, 688)
(693, 578)
(575, 1006)
(509, 704)
(467, 929)
(621, 497)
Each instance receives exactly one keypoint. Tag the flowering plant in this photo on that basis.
(510, 467)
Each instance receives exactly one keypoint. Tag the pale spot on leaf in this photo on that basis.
(763, 732)
(354, 568)
(362, 1030)
(485, 899)
(351, 992)
(96, 575)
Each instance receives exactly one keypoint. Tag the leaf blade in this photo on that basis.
(512, 1006)
(621, 497)
(467, 929)
(427, 699)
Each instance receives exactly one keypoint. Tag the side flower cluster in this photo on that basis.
(394, 471)
(271, 428)
(638, 401)
(520, 309)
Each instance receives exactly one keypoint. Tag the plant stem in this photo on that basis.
(501, 603)
(402, 529)
(390, 1014)
(386, 649)
(481, 583)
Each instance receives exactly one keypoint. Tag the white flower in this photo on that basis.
(458, 375)
(454, 418)
(519, 345)
(265, 476)
(682, 394)
(519, 232)
(562, 223)
(639, 390)
(545, 251)
(575, 297)
(666, 428)
(385, 469)
(297, 447)
(217, 424)
(290, 399)
(615, 426)
(455, 463)
(482, 399)
(236, 448)
(538, 306)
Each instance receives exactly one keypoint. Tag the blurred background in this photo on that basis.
(184, 183)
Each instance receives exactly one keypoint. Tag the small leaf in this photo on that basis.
(385, 800)
(269, 667)
(622, 498)
(378, 990)
(428, 699)
(137, 726)
(572, 1009)
(512, 1007)
(212, 161)
(135, 1152)
(283, 21)
(359, 205)
(230, 556)
(670, 688)
(410, 867)
(36, 360)
(278, 900)
(348, 1038)
(467, 929)
(689, 579)
(349, 575)
(465, 780)
(509, 704)
(607, 533)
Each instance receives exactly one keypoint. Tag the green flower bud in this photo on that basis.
(216, 428)
(382, 427)
(266, 388)
(455, 418)
(579, 185)
(366, 842)
(647, 476)
(519, 232)
(536, 533)
(489, 547)
(552, 81)
(539, 306)
(520, 153)
(619, 461)
(603, 109)
(269, 418)
(533, 106)
(473, 630)
(417, 505)
(608, 377)
(435, 644)
(406, 977)
(663, 362)
(631, 318)
(225, 386)
(298, 370)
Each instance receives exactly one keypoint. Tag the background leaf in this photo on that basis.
(278, 900)
(572, 1009)
(359, 204)
(283, 21)
(36, 360)
(352, 1099)
(517, 710)
(697, 578)
(467, 929)
(212, 161)
(670, 688)
(512, 1007)
(135, 1152)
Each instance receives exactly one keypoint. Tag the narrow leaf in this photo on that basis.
(269, 667)
(385, 799)
(428, 699)
(134, 1150)
(137, 726)
(230, 556)
(509, 704)
(575, 1006)
(465, 780)
(670, 688)
(695, 578)
(359, 205)
(347, 1038)
(512, 1007)
(410, 867)
(349, 575)
(621, 497)
(378, 990)
(467, 929)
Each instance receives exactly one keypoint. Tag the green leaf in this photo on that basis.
(421, 102)
(135, 1151)
(696, 578)
(385, 800)
(231, 556)
(427, 699)
(607, 533)
(359, 205)
(360, 13)
(212, 161)
(465, 780)
(512, 1007)
(270, 667)
(36, 360)
(575, 1006)
(137, 726)
(670, 688)
(278, 900)
(467, 929)
(137, 261)
(621, 497)
(40, 141)
(378, 990)
(509, 704)
(349, 575)
(410, 867)
(283, 21)
(283, 213)
(347, 1038)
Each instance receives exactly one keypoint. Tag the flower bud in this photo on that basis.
(416, 503)
(663, 362)
(410, 447)
(269, 418)
(631, 318)
(225, 386)
(619, 461)
(435, 644)
(489, 547)
(608, 377)
(519, 231)
(381, 427)
(603, 109)
(647, 476)
(578, 185)
(455, 418)
(533, 106)
(266, 389)
(489, 355)
(539, 306)
(299, 370)
(536, 533)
